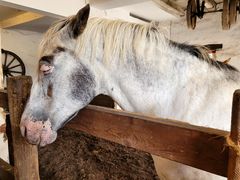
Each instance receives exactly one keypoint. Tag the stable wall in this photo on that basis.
(25, 45)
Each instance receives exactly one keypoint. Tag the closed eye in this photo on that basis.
(59, 49)
(46, 64)
(49, 90)
(46, 60)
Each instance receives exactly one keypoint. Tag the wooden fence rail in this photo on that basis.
(200, 147)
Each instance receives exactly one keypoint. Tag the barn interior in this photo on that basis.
(211, 23)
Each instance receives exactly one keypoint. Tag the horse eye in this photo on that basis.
(49, 90)
(59, 49)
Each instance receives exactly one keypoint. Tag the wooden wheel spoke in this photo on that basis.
(14, 66)
(9, 74)
(5, 60)
(11, 61)
(18, 72)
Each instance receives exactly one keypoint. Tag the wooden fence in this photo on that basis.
(199, 147)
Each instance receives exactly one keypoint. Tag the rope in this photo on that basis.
(232, 145)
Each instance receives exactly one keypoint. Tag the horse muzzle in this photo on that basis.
(38, 132)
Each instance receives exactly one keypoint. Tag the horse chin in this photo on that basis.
(43, 140)
(48, 139)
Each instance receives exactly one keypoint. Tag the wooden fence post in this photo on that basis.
(233, 140)
(25, 155)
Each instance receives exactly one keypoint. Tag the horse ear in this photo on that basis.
(79, 21)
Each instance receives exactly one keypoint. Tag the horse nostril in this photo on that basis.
(23, 131)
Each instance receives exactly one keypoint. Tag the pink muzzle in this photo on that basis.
(38, 132)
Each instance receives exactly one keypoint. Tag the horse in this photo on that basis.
(136, 65)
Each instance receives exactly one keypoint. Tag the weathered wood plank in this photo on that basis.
(234, 141)
(6, 171)
(3, 99)
(199, 147)
(25, 155)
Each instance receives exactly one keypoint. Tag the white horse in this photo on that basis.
(138, 67)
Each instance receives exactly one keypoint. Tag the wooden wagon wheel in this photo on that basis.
(12, 64)
(191, 14)
(233, 7)
(226, 15)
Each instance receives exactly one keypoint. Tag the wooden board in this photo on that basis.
(19, 19)
(199, 147)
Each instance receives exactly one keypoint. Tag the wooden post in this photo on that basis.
(25, 154)
(234, 158)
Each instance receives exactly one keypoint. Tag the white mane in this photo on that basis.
(120, 40)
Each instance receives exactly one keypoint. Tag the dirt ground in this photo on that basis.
(77, 156)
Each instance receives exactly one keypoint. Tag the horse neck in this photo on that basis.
(134, 83)
(169, 85)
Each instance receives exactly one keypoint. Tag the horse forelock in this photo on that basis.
(54, 35)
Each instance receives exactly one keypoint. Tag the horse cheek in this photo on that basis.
(83, 86)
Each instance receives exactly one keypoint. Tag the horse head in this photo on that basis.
(64, 84)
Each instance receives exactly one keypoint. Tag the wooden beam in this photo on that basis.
(170, 7)
(6, 170)
(25, 154)
(198, 147)
(19, 19)
(48, 8)
(106, 4)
